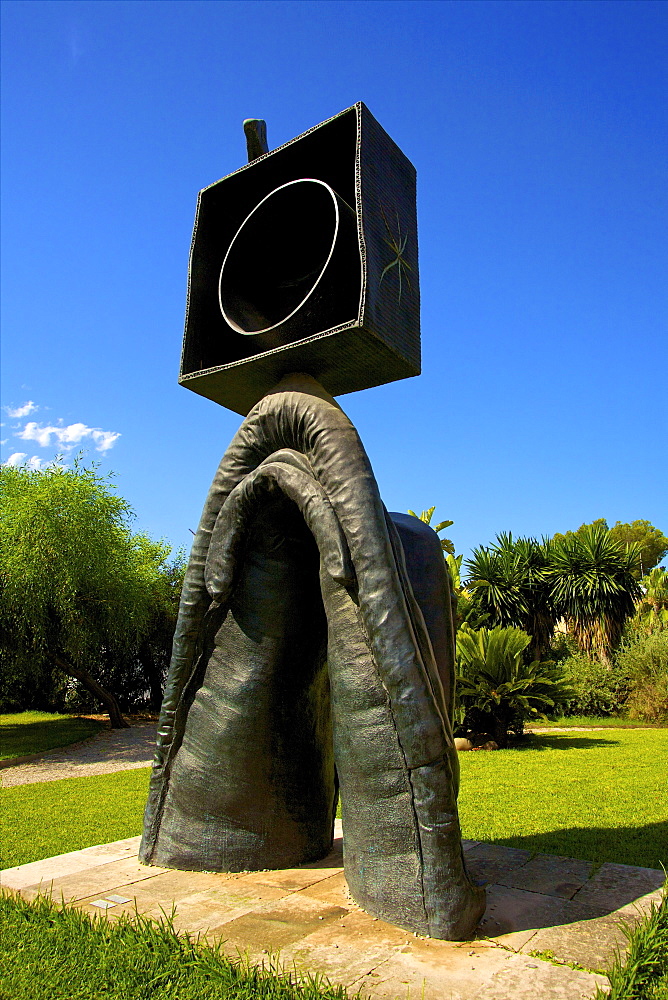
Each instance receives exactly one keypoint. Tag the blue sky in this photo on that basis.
(538, 131)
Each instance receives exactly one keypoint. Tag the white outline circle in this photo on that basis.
(300, 180)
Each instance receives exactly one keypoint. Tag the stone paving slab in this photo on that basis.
(551, 874)
(108, 751)
(36, 872)
(487, 863)
(618, 885)
(93, 880)
(592, 943)
(514, 916)
(545, 904)
(494, 974)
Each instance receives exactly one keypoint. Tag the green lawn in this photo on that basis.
(57, 953)
(53, 817)
(600, 796)
(26, 733)
(60, 953)
(587, 721)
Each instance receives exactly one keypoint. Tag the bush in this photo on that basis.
(599, 689)
(496, 689)
(645, 661)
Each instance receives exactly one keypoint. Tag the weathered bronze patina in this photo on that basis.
(314, 650)
(318, 276)
(305, 653)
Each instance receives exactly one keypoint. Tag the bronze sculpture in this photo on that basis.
(314, 653)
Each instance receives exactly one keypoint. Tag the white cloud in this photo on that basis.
(67, 437)
(35, 463)
(16, 458)
(104, 440)
(21, 411)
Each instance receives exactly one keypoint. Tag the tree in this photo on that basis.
(598, 523)
(446, 544)
(77, 589)
(512, 584)
(161, 581)
(652, 608)
(496, 688)
(651, 542)
(594, 586)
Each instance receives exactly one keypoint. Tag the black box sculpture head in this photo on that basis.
(305, 260)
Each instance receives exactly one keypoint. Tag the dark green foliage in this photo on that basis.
(56, 952)
(467, 610)
(587, 577)
(512, 584)
(137, 670)
(497, 689)
(651, 543)
(81, 596)
(642, 973)
(652, 609)
(645, 660)
(594, 587)
(599, 688)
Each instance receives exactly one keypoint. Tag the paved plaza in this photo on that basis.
(543, 904)
(549, 922)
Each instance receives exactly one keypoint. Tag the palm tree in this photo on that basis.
(496, 688)
(594, 587)
(512, 584)
(653, 606)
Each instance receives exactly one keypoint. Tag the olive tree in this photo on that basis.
(78, 591)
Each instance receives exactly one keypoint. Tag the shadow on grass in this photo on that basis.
(562, 742)
(641, 846)
(24, 738)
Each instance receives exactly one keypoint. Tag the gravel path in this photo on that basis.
(108, 751)
(126, 749)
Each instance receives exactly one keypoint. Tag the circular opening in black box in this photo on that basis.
(278, 256)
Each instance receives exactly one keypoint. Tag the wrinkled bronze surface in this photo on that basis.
(314, 645)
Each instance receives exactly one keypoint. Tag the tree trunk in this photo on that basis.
(541, 630)
(152, 674)
(500, 732)
(98, 692)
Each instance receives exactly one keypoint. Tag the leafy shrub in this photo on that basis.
(645, 661)
(600, 689)
(496, 688)
(563, 645)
